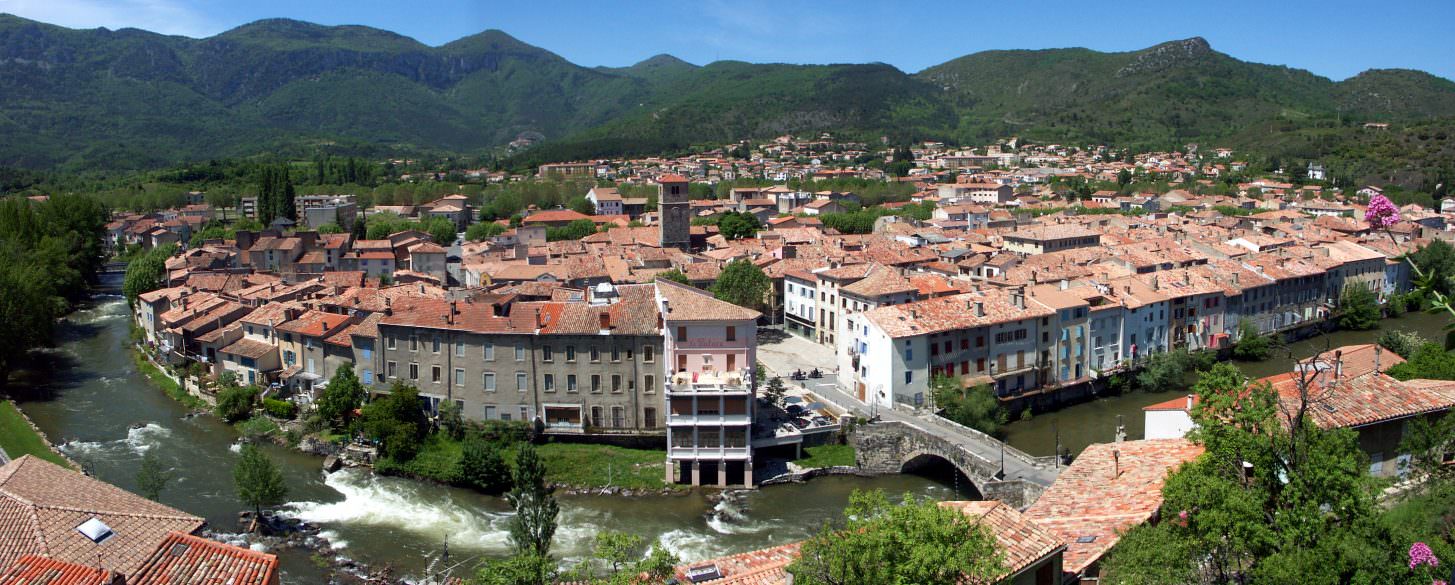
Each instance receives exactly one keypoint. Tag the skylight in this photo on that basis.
(96, 530)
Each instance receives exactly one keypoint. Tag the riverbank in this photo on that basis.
(20, 437)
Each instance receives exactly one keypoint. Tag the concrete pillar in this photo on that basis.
(671, 472)
(722, 474)
(748, 473)
(696, 473)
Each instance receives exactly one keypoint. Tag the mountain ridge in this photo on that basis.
(131, 98)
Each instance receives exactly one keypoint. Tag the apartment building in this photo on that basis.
(1053, 238)
(711, 348)
(588, 367)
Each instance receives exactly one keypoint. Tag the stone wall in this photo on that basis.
(884, 447)
(1018, 493)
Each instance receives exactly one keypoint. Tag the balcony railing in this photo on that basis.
(709, 419)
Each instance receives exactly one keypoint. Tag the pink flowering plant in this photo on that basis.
(1382, 214)
(1424, 564)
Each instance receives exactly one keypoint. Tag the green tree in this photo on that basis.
(1403, 343)
(482, 467)
(1429, 362)
(520, 569)
(742, 283)
(628, 561)
(451, 419)
(1251, 346)
(917, 541)
(1163, 371)
(441, 230)
(151, 477)
(235, 403)
(484, 231)
(343, 395)
(259, 481)
(1358, 309)
(735, 226)
(976, 407)
(774, 390)
(534, 524)
(28, 311)
(583, 206)
(360, 229)
(147, 273)
(572, 231)
(397, 420)
(674, 275)
(330, 228)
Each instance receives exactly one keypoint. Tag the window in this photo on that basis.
(546, 353)
(459, 349)
(649, 354)
(628, 354)
(459, 377)
(368, 376)
(413, 371)
(435, 345)
(616, 383)
(649, 417)
(520, 381)
(519, 352)
(524, 413)
(570, 382)
(488, 381)
(549, 381)
(615, 354)
(391, 341)
(732, 333)
(571, 353)
(908, 377)
(489, 352)
(490, 412)
(434, 374)
(413, 343)
(908, 351)
(389, 369)
(595, 355)
(595, 416)
(595, 383)
(618, 417)
(649, 384)
(681, 334)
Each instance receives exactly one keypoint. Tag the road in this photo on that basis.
(782, 354)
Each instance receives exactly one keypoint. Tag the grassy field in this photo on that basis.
(581, 465)
(17, 438)
(827, 456)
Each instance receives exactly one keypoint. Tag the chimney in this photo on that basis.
(1065, 284)
(979, 309)
(1116, 461)
(454, 308)
(1190, 399)
(1377, 350)
(1156, 282)
(913, 314)
(1235, 279)
(1338, 364)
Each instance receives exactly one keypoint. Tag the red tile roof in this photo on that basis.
(36, 570)
(183, 559)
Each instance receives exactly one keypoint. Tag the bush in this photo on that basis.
(1358, 309)
(1251, 346)
(280, 408)
(235, 403)
(481, 467)
(1402, 343)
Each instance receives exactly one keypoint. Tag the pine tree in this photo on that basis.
(534, 524)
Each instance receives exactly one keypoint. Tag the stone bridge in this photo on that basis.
(998, 471)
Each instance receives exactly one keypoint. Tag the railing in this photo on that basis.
(708, 419)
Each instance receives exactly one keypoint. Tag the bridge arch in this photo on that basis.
(939, 467)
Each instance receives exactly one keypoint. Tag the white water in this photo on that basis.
(138, 441)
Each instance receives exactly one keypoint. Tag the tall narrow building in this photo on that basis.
(674, 212)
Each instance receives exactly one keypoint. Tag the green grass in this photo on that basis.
(17, 438)
(827, 456)
(258, 427)
(582, 465)
(165, 383)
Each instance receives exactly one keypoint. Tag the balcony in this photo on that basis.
(708, 383)
(709, 419)
(731, 453)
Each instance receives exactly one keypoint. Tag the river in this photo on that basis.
(1095, 421)
(90, 400)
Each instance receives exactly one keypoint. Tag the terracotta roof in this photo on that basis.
(555, 215)
(183, 559)
(249, 348)
(1023, 542)
(42, 504)
(952, 312)
(766, 566)
(1109, 488)
(685, 303)
(35, 570)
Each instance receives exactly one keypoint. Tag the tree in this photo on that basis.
(341, 398)
(977, 407)
(628, 561)
(330, 228)
(742, 283)
(151, 477)
(259, 481)
(235, 403)
(451, 419)
(484, 231)
(534, 523)
(774, 391)
(1358, 309)
(734, 225)
(397, 421)
(360, 228)
(583, 206)
(147, 273)
(1123, 177)
(1402, 343)
(917, 541)
(1429, 362)
(674, 275)
(1251, 345)
(1164, 371)
(572, 231)
(482, 467)
(441, 230)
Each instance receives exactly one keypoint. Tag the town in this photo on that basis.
(1004, 281)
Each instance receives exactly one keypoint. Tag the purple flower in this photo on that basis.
(1420, 554)
(1381, 213)
(1182, 515)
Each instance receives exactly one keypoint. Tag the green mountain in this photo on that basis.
(134, 99)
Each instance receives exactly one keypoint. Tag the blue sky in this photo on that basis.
(1334, 38)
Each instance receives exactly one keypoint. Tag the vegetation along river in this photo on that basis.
(103, 413)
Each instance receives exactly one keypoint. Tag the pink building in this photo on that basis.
(711, 347)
